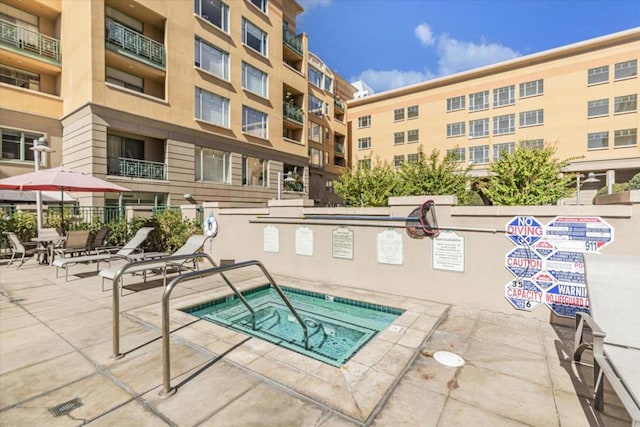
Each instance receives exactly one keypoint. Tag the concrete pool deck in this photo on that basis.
(56, 346)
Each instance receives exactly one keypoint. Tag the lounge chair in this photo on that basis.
(613, 288)
(127, 251)
(99, 241)
(24, 249)
(193, 245)
(76, 243)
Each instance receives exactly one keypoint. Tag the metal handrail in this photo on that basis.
(167, 390)
(30, 40)
(134, 42)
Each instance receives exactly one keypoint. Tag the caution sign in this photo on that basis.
(566, 299)
(523, 262)
(579, 234)
(566, 267)
(524, 230)
(523, 294)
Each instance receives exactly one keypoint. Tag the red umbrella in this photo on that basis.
(59, 179)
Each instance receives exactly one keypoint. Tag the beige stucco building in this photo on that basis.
(197, 100)
(582, 98)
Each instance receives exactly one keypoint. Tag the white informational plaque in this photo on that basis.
(304, 241)
(448, 252)
(389, 247)
(342, 243)
(271, 239)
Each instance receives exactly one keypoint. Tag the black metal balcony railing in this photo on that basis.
(142, 47)
(29, 41)
(294, 113)
(122, 166)
(338, 104)
(292, 41)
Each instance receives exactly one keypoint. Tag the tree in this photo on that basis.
(527, 177)
(433, 177)
(364, 185)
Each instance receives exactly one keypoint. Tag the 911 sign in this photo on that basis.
(579, 234)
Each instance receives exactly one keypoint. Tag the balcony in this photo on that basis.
(292, 41)
(338, 149)
(134, 168)
(28, 42)
(293, 113)
(338, 104)
(134, 45)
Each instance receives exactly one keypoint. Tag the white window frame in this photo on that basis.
(255, 122)
(413, 136)
(626, 70)
(398, 114)
(598, 75)
(458, 154)
(532, 144)
(224, 13)
(328, 83)
(531, 118)
(364, 122)
(479, 128)
(315, 77)
(479, 101)
(456, 103)
(598, 140)
(364, 143)
(255, 80)
(250, 29)
(315, 105)
(263, 5)
(504, 124)
(598, 108)
(255, 167)
(631, 134)
(25, 141)
(625, 104)
(316, 157)
(413, 112)
(223, 110)
(504, 96)
(398, 160)
(398, 138)
(498, 149)
(455, 129)
(217, 66)
(532, 88)
(315, 132)
(19, 78)
(413, 158)
(364, 163)
(479, 154)
(212, 165)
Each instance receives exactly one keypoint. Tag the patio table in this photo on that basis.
(49, 243)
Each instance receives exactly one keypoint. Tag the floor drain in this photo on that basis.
(66, 407)
(447, 358)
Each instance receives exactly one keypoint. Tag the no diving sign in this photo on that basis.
(524, 230)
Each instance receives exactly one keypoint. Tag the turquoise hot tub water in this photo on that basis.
(337, 327)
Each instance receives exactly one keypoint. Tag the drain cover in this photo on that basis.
(447, 358)
(66, 407)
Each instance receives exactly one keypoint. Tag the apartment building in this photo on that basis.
(203, 98)
(581, 98)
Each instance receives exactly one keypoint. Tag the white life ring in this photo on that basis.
(211, 226)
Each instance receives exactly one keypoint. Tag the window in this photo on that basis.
(316, 157)
(364, 122)
(532, 144)
(455, 129)
(364, 164)
(398, 138)
(479, 154)
(412, 136)
(315, 77)
(120, 146)
(315, 132)
(479, 101)
(328, 82)
(213, 165)
(478, 128)
(532, 88)
(315, 105)
(255, 122)
(212, 108)
(624, 104)
(20, 78)
(260, 4)
(412, 112)
(254, 171)
(255, 80)
(625, 137)
(254, 37)
(126, 80)
(626, 69)
(398, 160)
(456, 154)
(531, 118)
(398, 114)
(364, 143)
(598, 75)
(597, 108)
(211, 59)
(215, 12)
(499, 149)
(14, 145)
(413, 158)
(455, 103)
(504, 124)
(597, 140)
(504, 96)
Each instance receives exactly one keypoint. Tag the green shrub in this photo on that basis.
(634, 183)
(174, 230)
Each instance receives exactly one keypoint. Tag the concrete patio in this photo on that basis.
(56, 346)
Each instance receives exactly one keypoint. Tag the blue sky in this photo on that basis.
(394, 43)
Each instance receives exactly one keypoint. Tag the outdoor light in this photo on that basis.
(288, 178)
(591, 178)
(187, 196)
(40, 146)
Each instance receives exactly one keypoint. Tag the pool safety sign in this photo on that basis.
(547, 262)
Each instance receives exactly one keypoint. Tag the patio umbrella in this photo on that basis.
(59, 179)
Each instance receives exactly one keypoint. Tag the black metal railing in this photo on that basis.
(135, 168)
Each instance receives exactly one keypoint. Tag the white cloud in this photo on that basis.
(424, 33)
(310, 4)
(456, 55)
(381, 81)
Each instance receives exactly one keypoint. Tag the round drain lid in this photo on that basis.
(447, 358)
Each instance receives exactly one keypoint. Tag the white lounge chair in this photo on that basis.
(127, 251)
(613, 288)
(193, 245)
